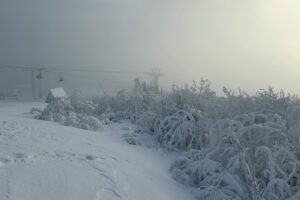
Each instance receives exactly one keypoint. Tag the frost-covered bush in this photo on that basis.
(212, 180)
(57, 109)
(72, 113)
(233, 105)
(81, 104)
(89, 123)
(182, 130)
(177, 130)
(278, 102)
(198, 96)
(71, 119)
(246, 159)
(294, 136)
(36, 112)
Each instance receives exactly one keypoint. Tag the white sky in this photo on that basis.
(248, 44)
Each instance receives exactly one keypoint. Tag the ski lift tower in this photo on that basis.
(39, 76)
(156, 74)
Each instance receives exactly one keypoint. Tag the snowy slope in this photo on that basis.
(44, 160)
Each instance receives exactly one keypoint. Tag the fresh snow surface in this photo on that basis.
(42, 160)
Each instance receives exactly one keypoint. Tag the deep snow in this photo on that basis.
(45, 160)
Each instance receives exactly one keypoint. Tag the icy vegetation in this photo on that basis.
(233, 147)
(72, 112)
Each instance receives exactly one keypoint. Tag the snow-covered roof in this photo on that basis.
(58, 92)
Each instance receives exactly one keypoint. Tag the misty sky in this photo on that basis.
(237, 43)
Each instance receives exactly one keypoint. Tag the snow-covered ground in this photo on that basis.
(42, 160)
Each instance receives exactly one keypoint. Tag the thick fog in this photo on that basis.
(247, 44)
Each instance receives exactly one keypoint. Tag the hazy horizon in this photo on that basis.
(248, 44)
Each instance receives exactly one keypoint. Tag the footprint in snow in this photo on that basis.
(3, 161)
(89, 157)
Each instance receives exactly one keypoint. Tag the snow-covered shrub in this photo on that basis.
(125, 105)
(246, 159)
(63, 111)
(177, 130)
(211, 179)
(293, 116)
(89, 123)
(57, 108)
(71, 119)
(277, 101)
(57, 117)
(81, 104)
(197, 96)
(294, 136)
(266, 118)
(233, 105)
(106, 118)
